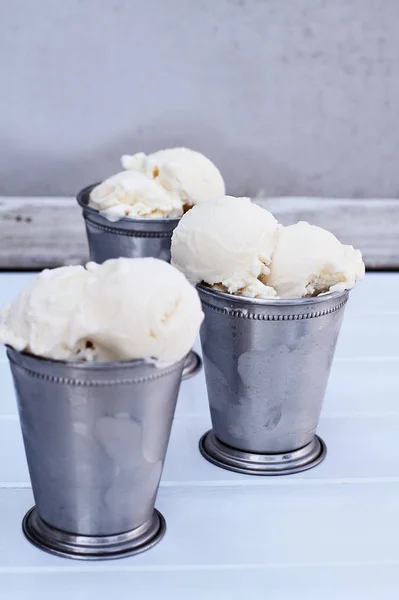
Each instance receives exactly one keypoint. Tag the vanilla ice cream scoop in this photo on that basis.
(45, 317)
(188, 174)
(124, 309)
(309, 260)
(227, 242)
(141, 308)
(133, 194)
(158, 186)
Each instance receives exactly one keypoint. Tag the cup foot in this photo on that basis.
(192, 365)
(83, 547)
(250, 463)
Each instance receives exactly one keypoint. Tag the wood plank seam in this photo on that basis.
(45, 232)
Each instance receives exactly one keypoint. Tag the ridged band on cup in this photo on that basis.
(270, 309)
(19, 358)
(263, 317)
(131, 233)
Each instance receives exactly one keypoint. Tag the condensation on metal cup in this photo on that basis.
(95, 437)
(267, 364)
(130, 238)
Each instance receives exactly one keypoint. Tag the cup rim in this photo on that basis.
(207, 290)
(86, 365)
(82, 200)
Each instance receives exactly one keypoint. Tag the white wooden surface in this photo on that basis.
(47, 232)
(330, 533)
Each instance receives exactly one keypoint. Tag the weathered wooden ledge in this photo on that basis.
(47, 232)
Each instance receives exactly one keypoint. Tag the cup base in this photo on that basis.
(192, 365)
(250, 463)
(83, 547)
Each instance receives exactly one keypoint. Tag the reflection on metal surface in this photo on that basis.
(249, 463)
(83, 547)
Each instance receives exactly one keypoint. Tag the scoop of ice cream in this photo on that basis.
(124, 309)
(45, 318)
(141, 308)
(309, 260)
(133, 194)
(228, 242)
(189, 174)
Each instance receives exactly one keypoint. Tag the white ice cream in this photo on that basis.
(309, 260)
(133, 194)
(189, 174)
(45, 318)
(124, 309)
(141, 308)
(229, 243)
(161, 185)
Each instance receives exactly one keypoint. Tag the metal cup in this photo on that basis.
(95, 438)
(267, 364)
(130, 238)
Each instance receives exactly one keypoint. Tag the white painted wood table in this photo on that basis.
(329, 533)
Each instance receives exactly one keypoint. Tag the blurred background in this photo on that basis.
(289, 97)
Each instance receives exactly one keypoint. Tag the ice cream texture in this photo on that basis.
(159, 185)
(239, 248)
(228, 242)
(124, 309)
(132, 194)
(309, 260)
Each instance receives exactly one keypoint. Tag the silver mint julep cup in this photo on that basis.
(267, 364)
(95, 437)
(130, 238)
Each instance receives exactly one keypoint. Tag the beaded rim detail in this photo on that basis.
(243, 314)
(94, 382)
(142, 234)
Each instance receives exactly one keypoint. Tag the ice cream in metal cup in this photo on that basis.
(267, 363)
(95, 437)
(130, 238)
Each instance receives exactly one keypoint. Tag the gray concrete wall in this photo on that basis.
(286, 96)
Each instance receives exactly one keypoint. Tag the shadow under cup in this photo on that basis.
(130, 238)
(267, 364)
(95, 437)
